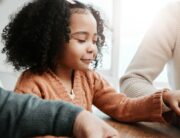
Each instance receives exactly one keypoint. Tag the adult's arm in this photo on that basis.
(27, 116)
(155, 51)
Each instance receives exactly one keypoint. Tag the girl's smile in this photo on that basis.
(87, 61)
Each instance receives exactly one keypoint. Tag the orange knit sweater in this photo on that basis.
(91, 89)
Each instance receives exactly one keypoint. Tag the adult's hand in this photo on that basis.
(172, 99)
(88, 125)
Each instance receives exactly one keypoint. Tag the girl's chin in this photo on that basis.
(84, 68)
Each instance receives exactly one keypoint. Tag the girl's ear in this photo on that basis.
(71, 1)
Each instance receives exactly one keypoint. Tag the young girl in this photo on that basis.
(56, 41)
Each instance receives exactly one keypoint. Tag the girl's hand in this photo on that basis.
(172, 99)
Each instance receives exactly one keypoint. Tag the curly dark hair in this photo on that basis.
(37, 33)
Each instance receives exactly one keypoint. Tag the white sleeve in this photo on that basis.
(155, 50)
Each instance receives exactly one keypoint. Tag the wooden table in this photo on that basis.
(141, 130)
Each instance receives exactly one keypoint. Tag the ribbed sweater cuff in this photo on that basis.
(157, 104)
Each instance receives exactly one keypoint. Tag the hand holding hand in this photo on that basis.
(89, 126)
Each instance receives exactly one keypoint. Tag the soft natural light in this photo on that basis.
(136, 18)
(128, 19)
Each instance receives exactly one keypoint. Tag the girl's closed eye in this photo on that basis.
(84, 40)
(81, 38)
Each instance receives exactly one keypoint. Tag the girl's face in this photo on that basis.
(81, 49)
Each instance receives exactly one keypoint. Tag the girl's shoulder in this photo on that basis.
(29, 76)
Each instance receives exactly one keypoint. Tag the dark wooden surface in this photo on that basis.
(142, 129)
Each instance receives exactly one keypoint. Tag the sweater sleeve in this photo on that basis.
(27, 116)
(155, 50)
(122, 108)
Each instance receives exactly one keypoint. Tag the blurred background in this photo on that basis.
(128, 20)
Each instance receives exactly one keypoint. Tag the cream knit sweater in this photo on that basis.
(160, 46)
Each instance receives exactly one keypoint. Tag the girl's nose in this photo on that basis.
(92, 48)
